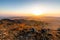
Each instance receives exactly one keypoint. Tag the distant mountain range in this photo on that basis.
(54, 22)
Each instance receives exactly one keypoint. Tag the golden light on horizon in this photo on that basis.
(37, 12)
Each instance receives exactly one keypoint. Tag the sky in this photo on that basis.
(27, 7)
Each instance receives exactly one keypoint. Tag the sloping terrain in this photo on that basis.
(27, 30)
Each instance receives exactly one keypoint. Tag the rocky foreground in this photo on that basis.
(27, 30)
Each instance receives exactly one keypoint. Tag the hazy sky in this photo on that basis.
(26, 7)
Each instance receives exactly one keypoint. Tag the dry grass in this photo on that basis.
(26, 30)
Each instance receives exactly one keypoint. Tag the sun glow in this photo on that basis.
(37, 12)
